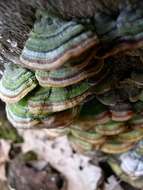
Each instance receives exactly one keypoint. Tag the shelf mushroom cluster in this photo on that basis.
(113, 130)
(63, 82)
(51, 79)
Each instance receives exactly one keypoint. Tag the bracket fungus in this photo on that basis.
(54, 41)
(81, 77)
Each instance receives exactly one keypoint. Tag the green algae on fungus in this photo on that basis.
(90, 136)
(16, 83)
(20, 116)
(69, 74)
(45, 100)
(116, 147)
(55, 41)
(97, 114)
(110, 128)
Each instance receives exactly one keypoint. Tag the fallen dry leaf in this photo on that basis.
(80, 174)
(112, 184)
